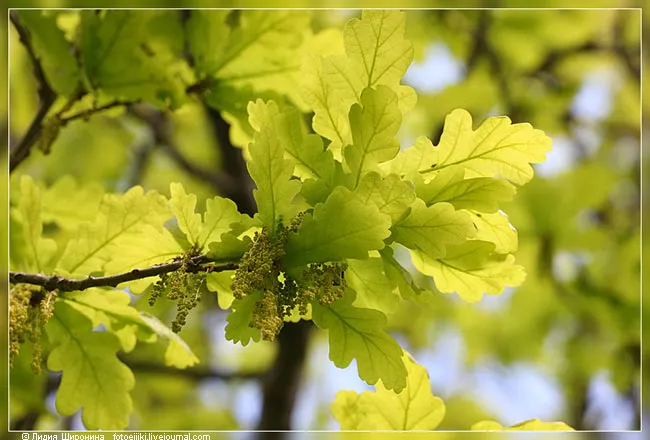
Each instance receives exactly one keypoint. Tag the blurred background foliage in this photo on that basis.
(563, 346)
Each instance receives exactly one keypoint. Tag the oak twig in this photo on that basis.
(57, 282)
(46, 96)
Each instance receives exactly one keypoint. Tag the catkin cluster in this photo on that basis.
(30, 308)
(182, 286)
(260, 270)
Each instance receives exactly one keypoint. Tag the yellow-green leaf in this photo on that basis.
(528, 425)
(184, 206)
(178, 354)
(358, 333)
(431, 229)
(497, 148)
(374, 124)
(93, 378)
(471, 269)
(413, 409)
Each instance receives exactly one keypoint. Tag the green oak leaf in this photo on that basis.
(207, 33)
(528, 425)
(374, 289)
(311, 160)
(271, 172)
(221, 215)
(239, 328)
(416, 158)
(390, 194)
(93, 378)
(111, 308)
(482, 194)
(37, 254)
(177, 354)
(183, 206)
(471, 269)
(155, 245)
(358, 333)
(431, 229)
(229, 249)
(414, 409)
(82, 202)
(53, 51)
(220, 283)
(495, 228)
(122, 219)
(374, 124)
(497, 148)
(122, 55)
(342, 227)
(376, 54)
(399, 277)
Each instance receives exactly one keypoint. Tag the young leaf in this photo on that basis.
(305, 151)
(330, 109)
(416, 158)
(154, 245)
(230, 249)
(374, 125)
(272, 173)
(414, 409)
(431, 229)
(38, 251)
(183, 207)
(220, 216)
(118, 56)
(358, 333)
(207, 33)
(495, 228)
(111, 308)
(220, 283)
(122, 219)
(497, 148)
(482, 194)
(260, 49)
(342, 227)
(390, 194)
(93, 378)
(239, 328)
(376, 55)
(82, 202)
(399, 277)
(528, 425)
(470, 270)
(53, 51)
(373, 288)
(178, 354)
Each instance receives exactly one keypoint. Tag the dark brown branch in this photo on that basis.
(283, 379)
(57, 282)
(46, 96)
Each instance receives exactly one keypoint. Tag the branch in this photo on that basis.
(52, 282)
(84, 114)
(46, 95)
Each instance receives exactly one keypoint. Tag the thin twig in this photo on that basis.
(91, 111)
(46, 96)
(52, 282)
